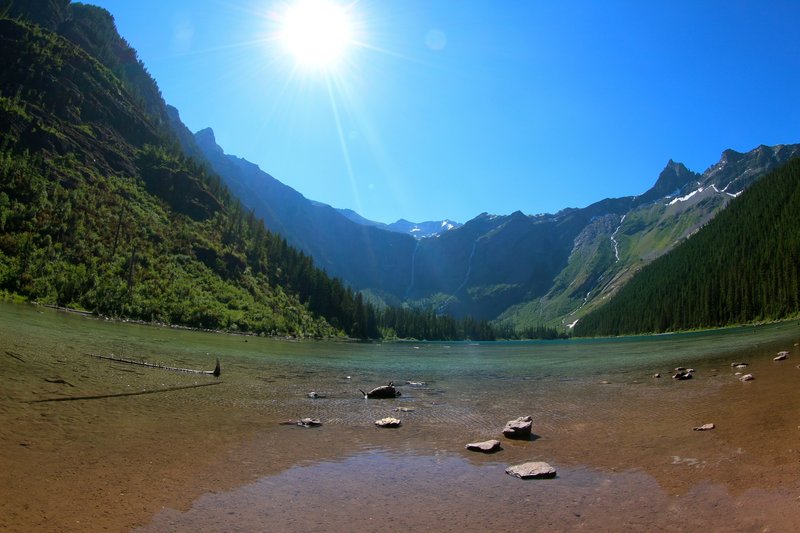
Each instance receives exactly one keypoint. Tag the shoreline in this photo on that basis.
(121, 320)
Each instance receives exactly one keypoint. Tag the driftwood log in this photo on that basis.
(384, 391)
(216, 372)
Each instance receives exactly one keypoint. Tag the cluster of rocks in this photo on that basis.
(519, 428)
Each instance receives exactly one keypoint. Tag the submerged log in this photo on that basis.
(121, 394)
(216, 372)
(382, 392)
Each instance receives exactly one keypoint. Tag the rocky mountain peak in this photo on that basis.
(207, 142)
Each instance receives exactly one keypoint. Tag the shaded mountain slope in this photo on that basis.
(100, 210)
(741, 267)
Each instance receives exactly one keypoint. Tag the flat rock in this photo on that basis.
(519, 428)
(747, 377)
(487, 446)
(532, 470)
(388, 422)
(704, 427)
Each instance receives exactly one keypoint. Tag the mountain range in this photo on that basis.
(520, 270)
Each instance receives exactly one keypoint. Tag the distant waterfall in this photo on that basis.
(413, 264)
(614, 240)
(463, 283)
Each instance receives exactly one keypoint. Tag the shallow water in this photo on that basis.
(216, 458)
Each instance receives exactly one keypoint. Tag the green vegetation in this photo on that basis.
(101, 210)
(741, 267)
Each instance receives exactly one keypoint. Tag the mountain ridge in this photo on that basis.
(525, 270)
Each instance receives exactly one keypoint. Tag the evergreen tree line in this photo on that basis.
(741, 267)
(139, 229)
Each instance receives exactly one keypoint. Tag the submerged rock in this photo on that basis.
(314, 396)
(384, 391)
(519, 428)
(781, 356)
(532, 470)
(416, 383)
(747, 377)
(739, 365)
(405, 409)
(704, 427)
(657, 375)
(682, 375)
(388, 422)
(303, 422)
(487, 446)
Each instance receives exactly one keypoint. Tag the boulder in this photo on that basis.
(384, 391)
(487, 446)
(704, 427)
(388, 422)
(519, 428)
(532, 470)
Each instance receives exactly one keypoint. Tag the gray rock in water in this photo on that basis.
(487, 446)
(682, 375)
(309, 422)
(747, 377)
(532, 470)
(704, 427)
(519, 428)
(781, 356)
(739, 365)
(314, 396)
(388, 422)
(384, 391)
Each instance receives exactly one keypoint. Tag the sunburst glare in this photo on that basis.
(316, 32)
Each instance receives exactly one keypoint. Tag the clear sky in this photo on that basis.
(448, 108)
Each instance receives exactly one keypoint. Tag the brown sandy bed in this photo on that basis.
(626, 454)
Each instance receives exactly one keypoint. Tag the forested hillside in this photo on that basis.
(741, 267)
(100, 209)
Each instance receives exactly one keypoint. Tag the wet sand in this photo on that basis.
(206, 459)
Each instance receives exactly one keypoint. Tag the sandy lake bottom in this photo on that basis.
(216, 458)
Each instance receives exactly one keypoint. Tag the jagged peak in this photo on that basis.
(205, 139)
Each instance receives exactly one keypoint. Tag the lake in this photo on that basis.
(217, 458)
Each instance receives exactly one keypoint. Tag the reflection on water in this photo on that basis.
(618, 435)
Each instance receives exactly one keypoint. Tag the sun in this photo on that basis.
(316, 32)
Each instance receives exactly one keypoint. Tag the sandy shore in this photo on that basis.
(625, 450)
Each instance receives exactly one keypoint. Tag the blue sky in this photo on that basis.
(446, 109)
